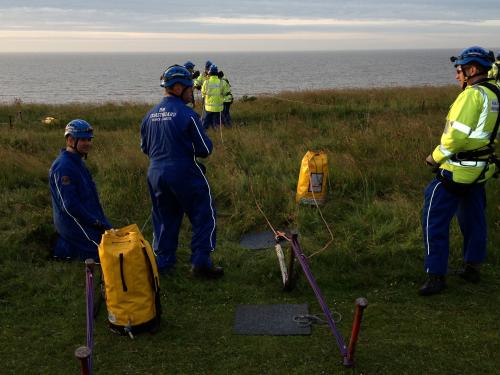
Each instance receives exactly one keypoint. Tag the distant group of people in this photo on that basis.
(173, 137)
(215, 93)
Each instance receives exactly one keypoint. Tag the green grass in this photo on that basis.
(376, 141)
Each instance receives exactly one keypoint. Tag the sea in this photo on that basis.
(135, 77)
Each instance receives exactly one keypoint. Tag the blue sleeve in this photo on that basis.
(64, 183)
(201, 143)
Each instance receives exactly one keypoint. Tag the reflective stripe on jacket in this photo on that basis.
(469, 125)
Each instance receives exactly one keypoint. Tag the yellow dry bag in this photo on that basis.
(131, 280)
(312, 178)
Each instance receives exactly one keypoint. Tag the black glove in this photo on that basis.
(196, 74)
(98, 226)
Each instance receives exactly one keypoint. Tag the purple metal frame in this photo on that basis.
(312, 281)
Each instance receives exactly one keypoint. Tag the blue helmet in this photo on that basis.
(474, 54)
(208, 64)
(189, 64)
(79, 129)
(176, 74)
(213, 70)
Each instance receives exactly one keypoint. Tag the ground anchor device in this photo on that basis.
(263, 240)
(84, 353)
(361, 303)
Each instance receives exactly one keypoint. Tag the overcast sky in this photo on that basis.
(235, 25)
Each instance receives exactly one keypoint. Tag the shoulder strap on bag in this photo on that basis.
(155, 283)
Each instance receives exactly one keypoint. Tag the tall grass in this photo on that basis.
(376, 141)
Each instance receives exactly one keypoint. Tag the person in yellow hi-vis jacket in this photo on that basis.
(463, 162)
(213, 90)
(495, 69)
(228, 100)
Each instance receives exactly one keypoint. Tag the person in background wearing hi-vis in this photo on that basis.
(198, 84)
(228, 100)
(213, 91)
(172, 137)
(198, 81)
(495, 69)
(189, 65)
(78, 216)
(463, 162)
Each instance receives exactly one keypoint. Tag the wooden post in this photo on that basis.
(10, 121)
(290, 282)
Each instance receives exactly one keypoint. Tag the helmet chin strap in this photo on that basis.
(180, 96)
(75, 147)
(467, 77)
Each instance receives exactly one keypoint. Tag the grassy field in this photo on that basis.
(376, 141)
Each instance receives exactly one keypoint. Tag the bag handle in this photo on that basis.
(154, 280)
(125, 289)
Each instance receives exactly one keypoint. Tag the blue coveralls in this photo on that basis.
(78, 216)
(172, 137)
(440, 205)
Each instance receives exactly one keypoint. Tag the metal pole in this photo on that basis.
(303, 262)
(89, 271)
(361, 304)
(83, 354)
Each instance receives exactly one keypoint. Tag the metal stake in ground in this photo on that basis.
(361, 304)
(82, 353)
(89, 272)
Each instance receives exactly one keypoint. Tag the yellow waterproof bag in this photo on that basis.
(131, 280)
(312, 178)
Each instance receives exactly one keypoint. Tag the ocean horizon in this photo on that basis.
(57, 78)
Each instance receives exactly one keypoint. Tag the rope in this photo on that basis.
(278, 234)
(324, 221)
(147, 221)
(298, 101)
(307, 320)
(261, 211)
(220, 127)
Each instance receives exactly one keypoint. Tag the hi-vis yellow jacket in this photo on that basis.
(198, 82)
(495, 71)
(469, 125)
(213, 91)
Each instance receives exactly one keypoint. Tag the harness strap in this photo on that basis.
(492, 159)
(489, 149)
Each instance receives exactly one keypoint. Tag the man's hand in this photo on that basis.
(429, 160)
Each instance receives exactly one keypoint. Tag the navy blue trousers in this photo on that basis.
(212, 119)
(440, 205)
(177, 189)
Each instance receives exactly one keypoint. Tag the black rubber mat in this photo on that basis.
(272, 320)
(258, 240)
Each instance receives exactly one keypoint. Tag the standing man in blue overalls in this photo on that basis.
(78, 216)
(172, 137)
(463, 161)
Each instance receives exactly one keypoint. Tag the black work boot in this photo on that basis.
(207, 272)
(434, 285)
(470, 273)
